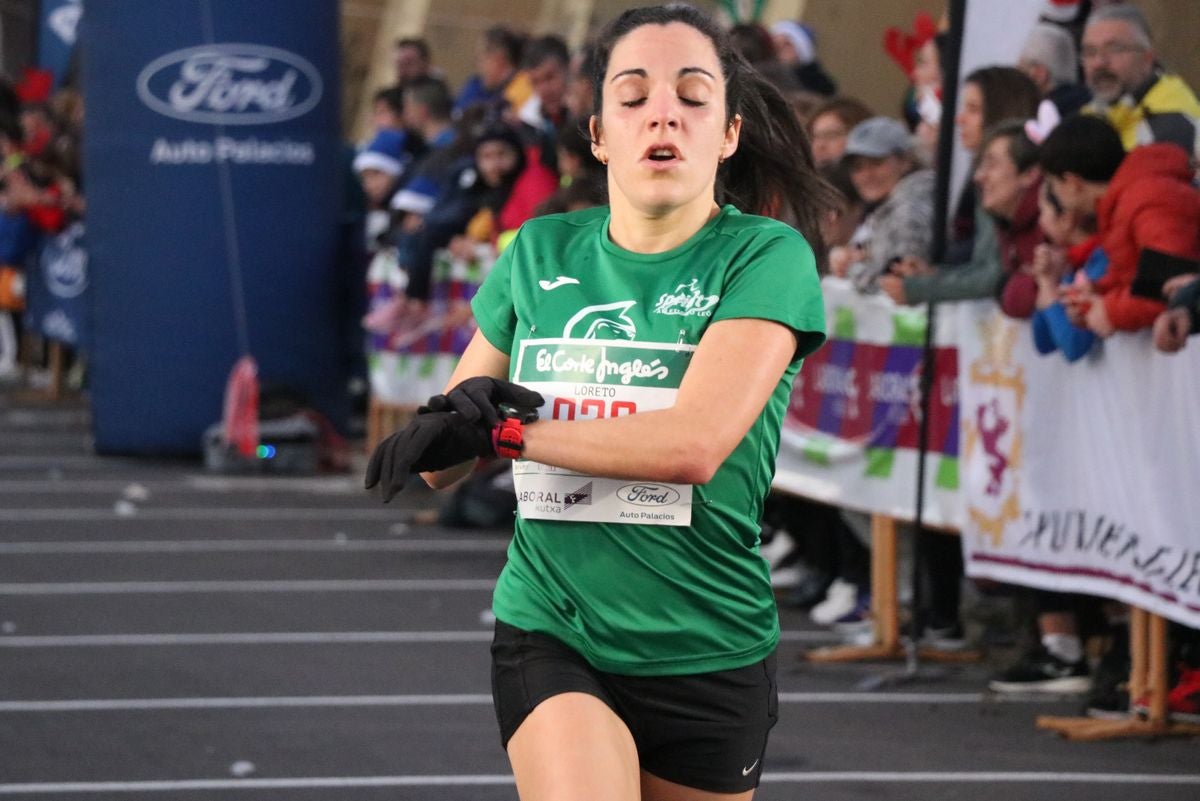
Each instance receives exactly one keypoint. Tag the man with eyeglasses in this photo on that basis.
(1141, 100)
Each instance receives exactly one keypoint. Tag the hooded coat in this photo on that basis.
(1150, 203)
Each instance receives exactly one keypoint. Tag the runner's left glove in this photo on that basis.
(432, 441)
(481, 397)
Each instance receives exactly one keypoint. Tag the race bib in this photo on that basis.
(587, 379)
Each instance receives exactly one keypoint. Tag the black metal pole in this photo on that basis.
(952, 57)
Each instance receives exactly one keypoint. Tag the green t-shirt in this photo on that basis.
(606, 327)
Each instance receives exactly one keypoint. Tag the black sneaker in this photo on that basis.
(1112, 704)
(1109, 697)
(1043, 672)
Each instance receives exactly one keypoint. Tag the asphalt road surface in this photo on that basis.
(166, 633)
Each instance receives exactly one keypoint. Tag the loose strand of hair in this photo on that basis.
(773, 172)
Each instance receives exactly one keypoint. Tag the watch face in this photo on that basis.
(513, 413)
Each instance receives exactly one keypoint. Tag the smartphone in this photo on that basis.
(1154, 269)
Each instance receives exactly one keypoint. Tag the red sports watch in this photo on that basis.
(508, 438)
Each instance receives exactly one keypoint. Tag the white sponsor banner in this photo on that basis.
(851, 433)
(588, 379)
(1081, 477)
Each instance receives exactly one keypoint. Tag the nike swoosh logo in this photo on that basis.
(561, 280)
(746, 771)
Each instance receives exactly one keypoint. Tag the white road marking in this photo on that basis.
(143, 704)
(204, 485)
(177, 587)
(209, 514)
(242, 638)
(448, 545)
(980, 777)
(316, 701)
(478, 780)
(257, 638)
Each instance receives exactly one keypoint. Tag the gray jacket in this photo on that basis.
(900, 226)
(978, 278)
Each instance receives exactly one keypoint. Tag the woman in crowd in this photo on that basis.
(971, 267)
(633, 655)
(898, 194)
(1009, 180)
(830, 125)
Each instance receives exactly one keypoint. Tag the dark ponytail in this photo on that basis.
(772, 172)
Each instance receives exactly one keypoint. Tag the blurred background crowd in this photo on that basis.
(1082, 179)
(1080, 213)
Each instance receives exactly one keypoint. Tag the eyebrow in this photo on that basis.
(641, 73)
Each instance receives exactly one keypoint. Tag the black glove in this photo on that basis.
(480, 398)
(432, 441)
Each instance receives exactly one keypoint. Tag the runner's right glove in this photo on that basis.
(432, 441)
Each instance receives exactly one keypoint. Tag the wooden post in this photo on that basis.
(1147, 679)
(885, 612)
(1156, 671)
(1138, 645)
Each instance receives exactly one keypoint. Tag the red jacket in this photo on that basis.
(536, 183)
(1018, 238)
(1150, 203)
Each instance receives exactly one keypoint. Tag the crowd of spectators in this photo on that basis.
(1081, 214)
(40, 188)
(1082, 175)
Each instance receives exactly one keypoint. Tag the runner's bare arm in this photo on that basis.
(480, 358)
(736, 367)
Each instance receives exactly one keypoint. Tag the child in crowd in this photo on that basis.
(380, 166)
(1071, 250)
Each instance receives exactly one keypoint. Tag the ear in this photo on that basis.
(596, 134)
(733, 135)
(1030, 177)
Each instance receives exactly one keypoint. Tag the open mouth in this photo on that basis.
(662, 153)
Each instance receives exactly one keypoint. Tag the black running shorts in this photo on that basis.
(706, 730)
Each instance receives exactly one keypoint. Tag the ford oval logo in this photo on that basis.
(646, 494)
(66, 276)
(230, 84)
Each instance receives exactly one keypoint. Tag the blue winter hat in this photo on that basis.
(384, 153)
(802, 38)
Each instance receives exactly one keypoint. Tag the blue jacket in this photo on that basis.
(1053, 331)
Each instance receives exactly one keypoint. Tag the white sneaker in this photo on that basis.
(780, 546)
(840, 599)
(789, 576)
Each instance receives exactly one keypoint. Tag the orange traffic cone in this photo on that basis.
(241, 407)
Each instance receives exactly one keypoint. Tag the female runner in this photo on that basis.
(636, 628)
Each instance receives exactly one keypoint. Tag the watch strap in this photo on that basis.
(508, 438)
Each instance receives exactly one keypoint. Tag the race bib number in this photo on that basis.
(585, 379)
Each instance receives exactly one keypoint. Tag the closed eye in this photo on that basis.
(685, 100)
